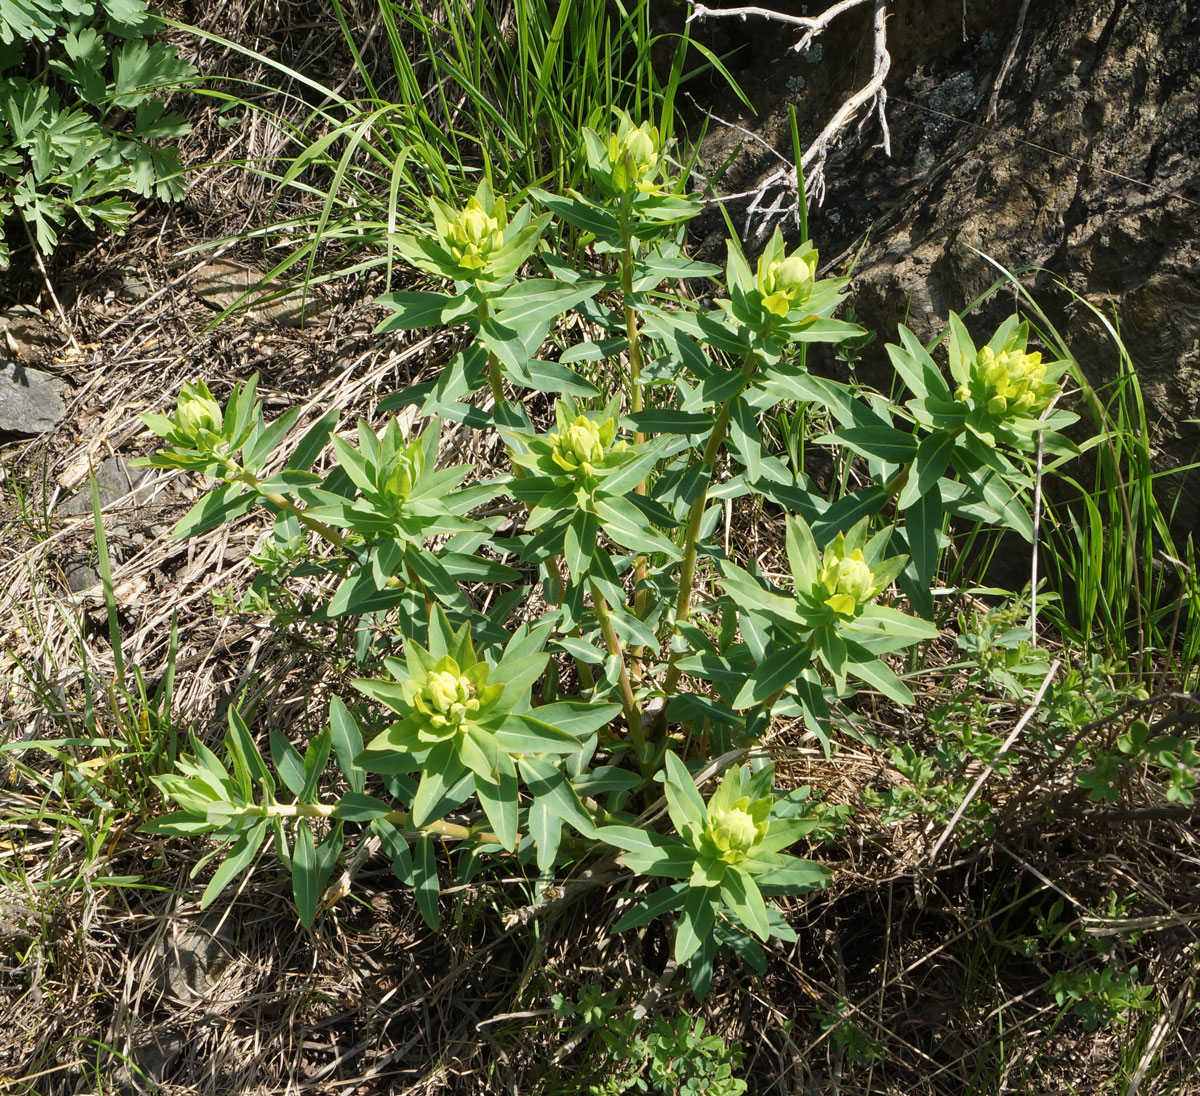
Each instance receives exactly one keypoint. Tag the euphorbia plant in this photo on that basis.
(578, 645)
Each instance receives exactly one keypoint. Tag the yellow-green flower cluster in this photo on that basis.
(848, 579)
(735, 829)
(1011, 381)
(786, 282)
(475, 233)
(583, 444)
(633, 152)
(444, 702)
(197, 414)
(405, 470)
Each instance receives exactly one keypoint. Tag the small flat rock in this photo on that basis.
(80, 574)
(115, 478)
(26, 332)
(224, 283)
(190, 957)
(30, 401)
(150, 1062)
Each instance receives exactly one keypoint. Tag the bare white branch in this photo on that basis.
(872, 95)
(812, 25)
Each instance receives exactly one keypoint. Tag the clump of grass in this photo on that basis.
(462, 92)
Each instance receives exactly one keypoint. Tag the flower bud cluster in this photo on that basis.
(633, 152)
(475, 233)
(198, 418)
(446, 700)
(583, 444)
(787, 282)
(450, 697)
(1011, 381)
(406, 469)
(734, 830)
(848, 579)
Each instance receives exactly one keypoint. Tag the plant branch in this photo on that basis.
(399, 819)
(633, 714)
(691, 536)
(285, 504)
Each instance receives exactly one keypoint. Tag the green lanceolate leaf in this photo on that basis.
(358, 807)
(552, 790)
(695, 925)
(426, 887)
(347, 743)
(683, 800)
(773, 676)
(742, 895)
(304, 874)
(884, 443)
(653, 906)
(241, 853)
(414, 310)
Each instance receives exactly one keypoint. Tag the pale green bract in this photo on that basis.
(197, 414)
(786, 283)
(848, 579)
(633, 153)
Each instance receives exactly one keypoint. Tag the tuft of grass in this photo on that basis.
(462, 91)
(1128, 590)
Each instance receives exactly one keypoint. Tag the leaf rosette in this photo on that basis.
(477, 244)
(577, 482)
(465, 722)
(726, 849)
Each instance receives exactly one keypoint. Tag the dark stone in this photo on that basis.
(80, 574)
(30, 401)
(190, 957)
(149, 1063)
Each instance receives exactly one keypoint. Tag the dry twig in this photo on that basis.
(872, 95)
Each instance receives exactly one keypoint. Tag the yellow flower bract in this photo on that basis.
(1012, 381)
(735, 830)
(633, 153)
(584, 444)
(849, 581)
(475, 234)
(786, 283)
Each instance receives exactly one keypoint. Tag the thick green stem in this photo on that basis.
(399, 819)
(691, 535)
(493, 364)
(633, 714)
(632, 333)
(637, 403)
(239, 474)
